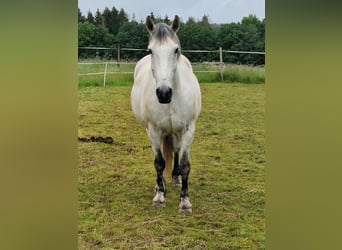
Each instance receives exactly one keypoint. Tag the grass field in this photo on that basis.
(226, 183)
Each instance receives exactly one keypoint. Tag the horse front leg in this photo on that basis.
(176, 180)
(160, 189)
(185, 206)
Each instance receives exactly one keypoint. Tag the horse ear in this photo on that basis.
(175, 24)
(149, 24)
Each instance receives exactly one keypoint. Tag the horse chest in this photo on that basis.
(171, 120)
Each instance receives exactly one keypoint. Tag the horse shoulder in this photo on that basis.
(192, 85)
(142, 76)
(142, 65)
(141, 93)
(185, 72)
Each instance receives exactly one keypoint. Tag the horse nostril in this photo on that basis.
(168, 93)
(164, 94)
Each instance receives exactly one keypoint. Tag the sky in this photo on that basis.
(219, 11)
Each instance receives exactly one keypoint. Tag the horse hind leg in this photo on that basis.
(185, 205)
(160, 189)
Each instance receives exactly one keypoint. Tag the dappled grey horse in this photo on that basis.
(166, 100)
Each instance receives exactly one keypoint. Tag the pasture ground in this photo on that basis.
(226, 183)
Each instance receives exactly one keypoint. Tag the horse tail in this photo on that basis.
(167, 152)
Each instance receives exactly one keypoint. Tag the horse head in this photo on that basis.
(164, 47)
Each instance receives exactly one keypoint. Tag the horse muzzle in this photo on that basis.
(164, 94)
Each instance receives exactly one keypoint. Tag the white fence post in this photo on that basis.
(221, 64)
(104, 75)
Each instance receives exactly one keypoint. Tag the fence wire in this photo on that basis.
(118, 62)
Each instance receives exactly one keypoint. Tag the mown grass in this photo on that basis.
(226, 183)
(231, 74)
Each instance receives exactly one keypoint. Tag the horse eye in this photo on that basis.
(176, 51)
(149, 51)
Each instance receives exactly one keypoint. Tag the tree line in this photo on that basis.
(112, 28)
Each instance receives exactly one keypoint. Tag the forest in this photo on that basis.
(112, 28)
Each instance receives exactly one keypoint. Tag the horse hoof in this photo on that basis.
(176, 181)
(185, 206)
(159, 200)
(159, 204)
(185, 211)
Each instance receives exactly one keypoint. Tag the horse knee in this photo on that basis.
(184, 165)
(159, 162)
(185, 169)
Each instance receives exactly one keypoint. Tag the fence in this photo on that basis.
(119, 62)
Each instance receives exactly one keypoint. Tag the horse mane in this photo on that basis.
(162, 32)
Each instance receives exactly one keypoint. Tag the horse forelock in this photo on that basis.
(163, 32)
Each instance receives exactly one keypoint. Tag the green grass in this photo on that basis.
(226, 183)
(231, 74)
(244, 74)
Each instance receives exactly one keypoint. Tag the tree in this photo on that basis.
(112, 28)
(133, 18)
(248, 35)
(114, 19)
(90, 18)
(167, 20)
(114, 24)
(90, 35)
(205, 20)
(253, 39)
(191, 20)
(122, 18)
(98, 18)
(81, 18)
(106, 16)
(132, 35)
(197, 36)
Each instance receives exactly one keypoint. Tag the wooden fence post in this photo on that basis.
(118, 60)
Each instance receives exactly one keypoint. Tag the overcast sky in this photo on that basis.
(219, 11)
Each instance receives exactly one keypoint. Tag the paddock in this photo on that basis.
(227, 181)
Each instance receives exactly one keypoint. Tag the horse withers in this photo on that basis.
(166, 100)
